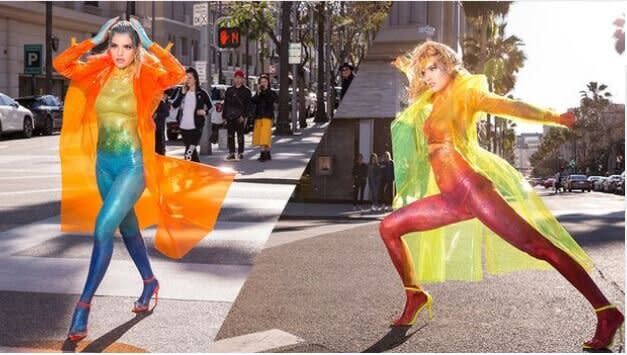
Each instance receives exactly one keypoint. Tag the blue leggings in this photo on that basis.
(120, 179)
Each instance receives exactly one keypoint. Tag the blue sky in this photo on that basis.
(568, 44)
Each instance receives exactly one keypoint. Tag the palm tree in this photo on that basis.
(480, 16)
(498, 57)
(595, 131)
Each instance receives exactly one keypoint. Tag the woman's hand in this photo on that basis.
(143, 37)
(201, 112)
(568, 119)
(102, 33)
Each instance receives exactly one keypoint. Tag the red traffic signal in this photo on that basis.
(228, 37)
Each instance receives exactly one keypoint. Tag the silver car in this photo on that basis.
(15, 117)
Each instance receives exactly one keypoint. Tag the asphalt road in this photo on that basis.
(338, 291)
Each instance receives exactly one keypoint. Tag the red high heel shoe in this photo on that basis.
(598, 344)
(79, 335)
(139, 307)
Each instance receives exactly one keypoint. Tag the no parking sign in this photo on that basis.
(32, 59)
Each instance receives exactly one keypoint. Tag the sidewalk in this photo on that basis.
(290, 156)
(330, 211)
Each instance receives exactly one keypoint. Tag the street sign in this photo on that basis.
(32, 59)
(201, 14)
(228, 37)
(294, 53)
(201, 68)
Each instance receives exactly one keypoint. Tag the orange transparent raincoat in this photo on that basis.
(182, 198)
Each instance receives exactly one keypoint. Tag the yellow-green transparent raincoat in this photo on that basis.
(454, 252)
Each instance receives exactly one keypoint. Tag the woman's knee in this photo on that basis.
(388, 228)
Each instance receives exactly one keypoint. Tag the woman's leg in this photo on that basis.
(426, 214)
(134, 242)
(490, 208)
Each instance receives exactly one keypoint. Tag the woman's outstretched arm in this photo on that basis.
(518, 110)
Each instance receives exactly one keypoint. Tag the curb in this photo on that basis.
(265, 341)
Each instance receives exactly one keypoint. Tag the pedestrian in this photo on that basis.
(374, 180)
(346, 71)
(217, 123)
(195, 105)
(236, 111)
(360, 175)
(108, 160)
(387, 181)
(263, 102)
(162, 112)
(459, 196)
(556, 184)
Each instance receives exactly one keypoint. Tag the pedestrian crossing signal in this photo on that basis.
(228, 37)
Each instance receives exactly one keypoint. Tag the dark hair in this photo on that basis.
(263, 76)
(194, 74)
(124, 27)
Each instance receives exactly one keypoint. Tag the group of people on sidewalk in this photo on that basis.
(239, 105)
(378, 175)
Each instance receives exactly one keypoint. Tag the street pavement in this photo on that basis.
(332, 284)
(43, 270)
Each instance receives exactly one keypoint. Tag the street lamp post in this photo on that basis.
(48, 85)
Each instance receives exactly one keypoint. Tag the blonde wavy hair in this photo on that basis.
(413, 62)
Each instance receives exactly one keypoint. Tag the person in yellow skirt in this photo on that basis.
(264, 101)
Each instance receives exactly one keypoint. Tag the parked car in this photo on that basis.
(548, 183)
(536, 181)
(609, 185)
(15, 117)
(598, 184)
(47, 112)
(216, 96)
(593, 179)
(576, 182)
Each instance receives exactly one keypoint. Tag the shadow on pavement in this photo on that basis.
(394, 338)
(100, 344)
(26, 214)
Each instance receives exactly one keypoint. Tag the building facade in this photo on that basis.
(526, 145)
(361, 124)
(23, 23)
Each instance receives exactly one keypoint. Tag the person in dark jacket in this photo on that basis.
(195, 106)
(236, 111)
(360, 174)
(346, 70)
(386, 188)
(374, 180)
(162, 112)
(264, 115)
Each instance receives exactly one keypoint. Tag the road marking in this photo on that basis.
(9, 193)
(28, 177)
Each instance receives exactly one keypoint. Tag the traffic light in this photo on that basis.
(228, 37)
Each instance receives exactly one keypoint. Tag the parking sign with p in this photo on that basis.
(32, 58)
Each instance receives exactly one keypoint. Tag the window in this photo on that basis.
(91, 3)
(3, 100)
(184, 48)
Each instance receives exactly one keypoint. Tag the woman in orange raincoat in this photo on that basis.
(456, 200)
(108, 160)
